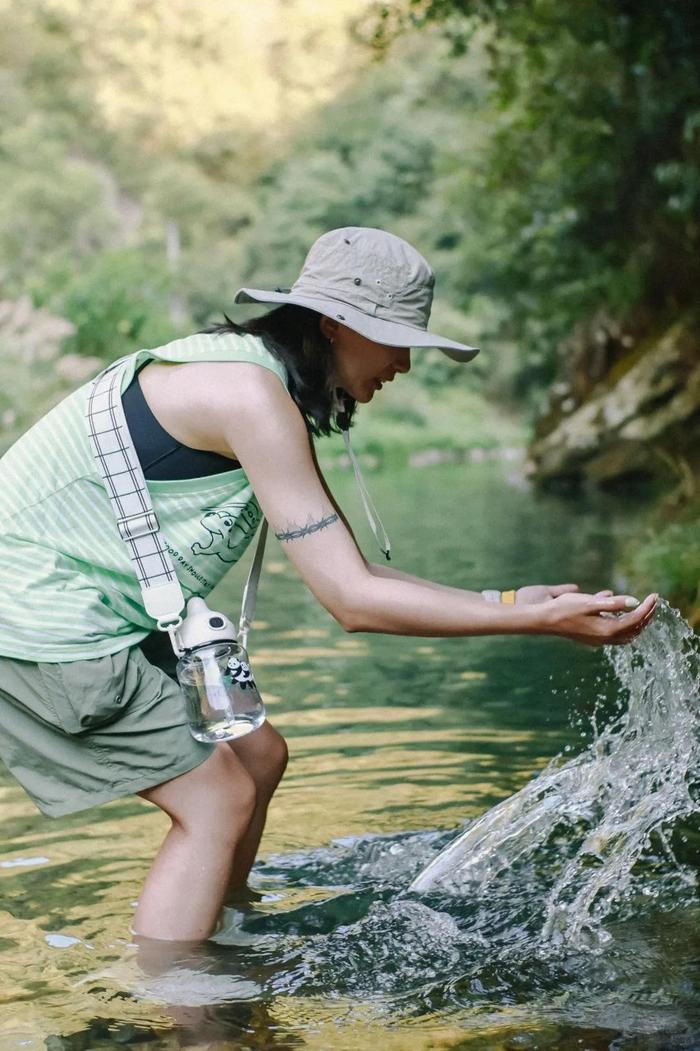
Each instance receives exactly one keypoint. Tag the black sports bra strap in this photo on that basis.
(162, 458)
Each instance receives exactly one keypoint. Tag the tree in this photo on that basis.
(591, 183)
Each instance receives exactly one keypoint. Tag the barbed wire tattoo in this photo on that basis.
(295, 532)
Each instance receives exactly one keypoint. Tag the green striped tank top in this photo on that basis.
(67, 588)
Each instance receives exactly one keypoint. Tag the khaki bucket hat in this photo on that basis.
(372, 281)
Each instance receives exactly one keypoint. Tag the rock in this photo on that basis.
(639, 420)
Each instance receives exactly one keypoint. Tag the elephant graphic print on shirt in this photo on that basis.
(229, 530)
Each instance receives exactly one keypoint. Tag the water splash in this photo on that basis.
(602, 813)
(372, 860)
(396, 949)
(560, 867)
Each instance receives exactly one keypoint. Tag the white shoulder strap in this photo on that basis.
(127, 489)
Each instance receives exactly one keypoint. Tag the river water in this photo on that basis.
(570, 919)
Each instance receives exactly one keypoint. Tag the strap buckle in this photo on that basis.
(131, 527)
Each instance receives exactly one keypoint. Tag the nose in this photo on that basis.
(403, 361)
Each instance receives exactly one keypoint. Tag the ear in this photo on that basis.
(328, 326)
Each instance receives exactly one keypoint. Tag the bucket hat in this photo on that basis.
(372, 281)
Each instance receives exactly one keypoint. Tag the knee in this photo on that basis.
(225, 799)
(264, 754)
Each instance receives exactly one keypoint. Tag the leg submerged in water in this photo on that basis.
(218, 813)
(211, 809)
(264, 755)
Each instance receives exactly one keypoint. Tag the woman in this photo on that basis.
(222, 423)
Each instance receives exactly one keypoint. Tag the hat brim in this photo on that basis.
(390, 333)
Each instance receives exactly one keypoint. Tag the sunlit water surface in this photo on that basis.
(565, 918)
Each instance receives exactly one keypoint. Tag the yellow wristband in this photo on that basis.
(509, 597)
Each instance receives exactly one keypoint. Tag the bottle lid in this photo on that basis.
(202, 626)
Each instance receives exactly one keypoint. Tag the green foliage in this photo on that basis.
(51, 207)
(32, 379)
(118, 305)
(668, 561)
(588, 192)
(544, 156)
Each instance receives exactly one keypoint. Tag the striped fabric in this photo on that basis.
(67, 586)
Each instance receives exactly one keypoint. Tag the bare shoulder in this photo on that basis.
(202, 403)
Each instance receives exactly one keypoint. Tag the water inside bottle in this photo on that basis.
(222, 700)
(210, 730)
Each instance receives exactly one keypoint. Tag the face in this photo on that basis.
(361, 365)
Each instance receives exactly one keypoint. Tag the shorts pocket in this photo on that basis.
(89, 693)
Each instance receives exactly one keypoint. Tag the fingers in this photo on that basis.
(647, 618)
(600, 620)
(563, 589)
(644, 611)
(617, 603)
(624, 629)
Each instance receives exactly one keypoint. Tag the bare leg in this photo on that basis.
(264, 755)
(211, 808)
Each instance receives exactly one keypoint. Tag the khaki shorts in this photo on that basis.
(80, 733)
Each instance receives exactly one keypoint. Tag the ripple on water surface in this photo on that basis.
(563, 916)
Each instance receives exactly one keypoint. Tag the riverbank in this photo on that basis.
(626, 410)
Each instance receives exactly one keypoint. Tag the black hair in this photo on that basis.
(293, 335)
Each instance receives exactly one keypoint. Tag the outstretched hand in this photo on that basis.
(603, 619)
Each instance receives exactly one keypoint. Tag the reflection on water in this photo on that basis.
(395, 743)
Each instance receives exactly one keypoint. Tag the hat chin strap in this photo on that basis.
(375, 522)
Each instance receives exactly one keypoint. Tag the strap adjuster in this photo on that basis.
(131, 527)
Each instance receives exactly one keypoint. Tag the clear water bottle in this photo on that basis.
(221, 697)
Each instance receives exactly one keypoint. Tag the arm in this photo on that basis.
(249, 411)
(383, 570)
(390, 573)
(528, 594)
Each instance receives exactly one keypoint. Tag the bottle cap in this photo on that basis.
(202, 626)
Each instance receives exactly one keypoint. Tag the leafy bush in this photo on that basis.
(117, 305)
(586, 196)
(669, 561)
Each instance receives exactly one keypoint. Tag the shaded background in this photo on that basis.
(545, 156)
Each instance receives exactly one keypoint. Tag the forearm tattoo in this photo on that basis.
(295, 532)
